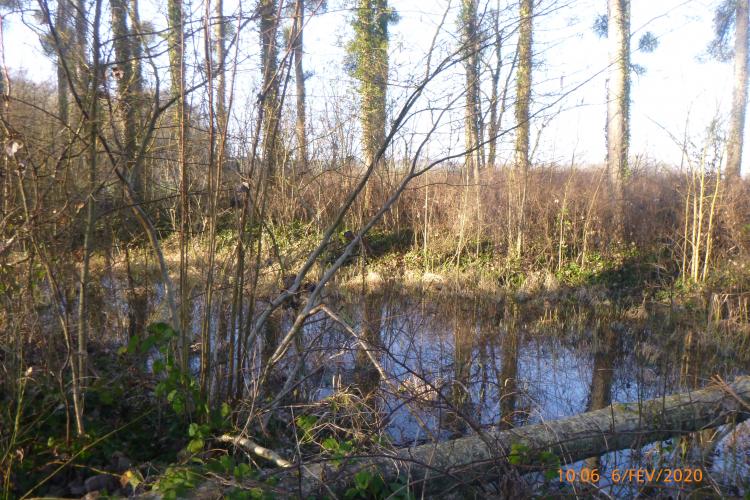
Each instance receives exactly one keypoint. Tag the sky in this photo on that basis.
(680, 92)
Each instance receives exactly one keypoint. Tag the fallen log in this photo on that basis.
(484, 457)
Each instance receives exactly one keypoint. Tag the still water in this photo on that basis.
(457, 365)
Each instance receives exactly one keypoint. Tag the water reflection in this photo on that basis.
(508, 380)
(455, 365)
(367, 376)
(602, 375)
(466, 363)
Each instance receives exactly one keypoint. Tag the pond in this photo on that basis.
(457, 365)
(439, 366)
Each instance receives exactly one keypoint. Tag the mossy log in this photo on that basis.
(485, 457)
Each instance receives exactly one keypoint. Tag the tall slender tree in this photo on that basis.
(92, 126)
(739, 96)
(81, 33)
(63, 33)
(470, 44)
(269, 53)
(299, 80)
(127, 105)
(176, 39)
(220, 35)
(136, 46)
(523, 101)
(369, 56)
(494, 123)
(618, 103)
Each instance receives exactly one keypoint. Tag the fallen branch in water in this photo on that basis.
(616, 427)
(470, 459)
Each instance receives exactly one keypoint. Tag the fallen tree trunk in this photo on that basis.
(485, 457)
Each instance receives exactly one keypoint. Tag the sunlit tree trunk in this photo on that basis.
(370, 52)
(269, 23)
(220, 35)
(474, 155)
(523, 100)
(299, 80)
(136, 45)
(63, 31)
(618, 105)
(739, 99)
(494, 124)
(91, 158)
(81, 69)
(176, 39)
(470, 41)
(126, 107)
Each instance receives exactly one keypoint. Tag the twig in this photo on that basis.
(255, 448)
(728, 389)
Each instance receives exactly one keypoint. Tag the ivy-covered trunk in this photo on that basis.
(618, 106)
(523, 100)
(369, 51)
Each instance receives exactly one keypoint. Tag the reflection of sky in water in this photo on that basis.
(555, 365)
(554, 374)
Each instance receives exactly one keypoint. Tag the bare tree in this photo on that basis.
(299, 81)
(127, 102)
(739, 96)
(523, 100)
(471, 45)
(269, 50)
(618, 103)
(63, 31)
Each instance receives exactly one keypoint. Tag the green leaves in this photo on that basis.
(307, 424)
(199, 433)
(370, 484)
(159, 335)
(519, 454)
(226, 410)
(177, 481)
(195, 445)
(338, 449)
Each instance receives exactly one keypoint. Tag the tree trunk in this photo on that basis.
(91, 158)
(221, 78)
(269, 24)
(370, 51)
(81, 66)
(126, 107)
(176, 39)
(63, 30)
(469, 32)
(523, 100)
(494, 124)
(299, 79)
(136, 46)
(618, 105)
(739, 98)
(478, 458)
(616, 427)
